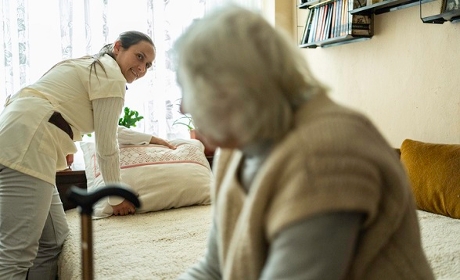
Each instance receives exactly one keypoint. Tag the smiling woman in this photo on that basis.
(134, 60)
(75, 97)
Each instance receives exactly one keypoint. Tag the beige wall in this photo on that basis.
(406, 79)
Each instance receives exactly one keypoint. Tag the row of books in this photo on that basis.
(333, 19)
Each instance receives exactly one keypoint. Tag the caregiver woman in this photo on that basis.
(38, 127)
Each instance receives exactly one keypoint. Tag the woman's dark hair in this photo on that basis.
(127, 39)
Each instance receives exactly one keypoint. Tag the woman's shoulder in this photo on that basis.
(105, 63)
(109, 61)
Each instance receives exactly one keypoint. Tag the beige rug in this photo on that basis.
(156, 245)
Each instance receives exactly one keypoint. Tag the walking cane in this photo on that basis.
(85, 200)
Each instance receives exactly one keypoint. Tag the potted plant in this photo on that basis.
(130, 118)
(187, 121)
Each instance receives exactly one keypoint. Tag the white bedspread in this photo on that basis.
(162, 245)
(441, 241)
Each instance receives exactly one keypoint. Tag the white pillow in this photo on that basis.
(163, 178)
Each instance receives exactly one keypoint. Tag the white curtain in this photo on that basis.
(36, 36)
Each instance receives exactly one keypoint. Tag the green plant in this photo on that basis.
(185, 120)
(130, 118)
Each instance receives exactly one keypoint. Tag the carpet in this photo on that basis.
(154, 245)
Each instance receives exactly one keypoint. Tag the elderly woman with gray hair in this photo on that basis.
(304, 188)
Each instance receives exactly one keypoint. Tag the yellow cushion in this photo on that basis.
(434, 173)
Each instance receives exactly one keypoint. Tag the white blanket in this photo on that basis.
(441, 241)
(162, 245)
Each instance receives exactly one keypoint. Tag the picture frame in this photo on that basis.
(450, 5)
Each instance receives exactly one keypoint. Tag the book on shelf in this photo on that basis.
(328, 23)
(314, 24)
(321, 22)
(338, 18)
(307, 28)
(333, 18)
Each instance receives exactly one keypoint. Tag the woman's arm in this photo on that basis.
(106, 112)
(320, 247)
(128, 136)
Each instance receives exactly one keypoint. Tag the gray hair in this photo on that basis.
(241, 78)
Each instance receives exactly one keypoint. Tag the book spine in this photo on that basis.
(338, 19)
(314, 24)
(334, 15)
(327, 29)
(307, 28)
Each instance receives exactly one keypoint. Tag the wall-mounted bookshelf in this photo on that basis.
(336, 22)
(329, 23)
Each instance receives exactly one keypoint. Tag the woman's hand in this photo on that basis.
(159, 141)
(124, 208)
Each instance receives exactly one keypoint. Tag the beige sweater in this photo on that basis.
(332, 160)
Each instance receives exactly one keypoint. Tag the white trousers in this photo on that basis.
(33, 226)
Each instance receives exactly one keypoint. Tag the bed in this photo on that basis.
(163, 244)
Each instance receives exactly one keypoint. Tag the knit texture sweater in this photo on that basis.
(332, 160)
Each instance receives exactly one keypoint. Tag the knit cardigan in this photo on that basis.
(333, 159)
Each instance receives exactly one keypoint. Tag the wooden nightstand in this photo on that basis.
(66, 179)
